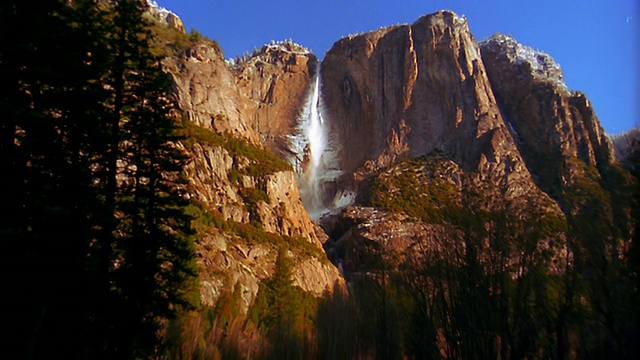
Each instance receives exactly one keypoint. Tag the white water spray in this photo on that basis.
(315, 133)
(315, 162)
(313, 167)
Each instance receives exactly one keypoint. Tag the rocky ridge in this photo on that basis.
(535, 63)
(627, 146)
(276, 79)
(405, 91)
(482, 188)
(238, 109)
(164, 16)
(550, 123)
(495, 113)
(499, 110)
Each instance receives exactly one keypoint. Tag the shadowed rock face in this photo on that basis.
(550, 123)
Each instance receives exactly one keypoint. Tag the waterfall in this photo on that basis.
(314, 167)
(315, 161)
(309, 144)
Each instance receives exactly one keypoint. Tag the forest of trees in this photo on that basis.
(98, 247)
(494, 284)
(97, 251)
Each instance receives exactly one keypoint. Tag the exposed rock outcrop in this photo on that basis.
(229, 262)
(164, 16)
(373, 232)
(430, 208)
(276, 80)
(627, 145)
(256, 100)
(551, 125)
(206, 88)
(280, 212)
(508, 138)
(411, 89)
(260, 96)
(498, 110)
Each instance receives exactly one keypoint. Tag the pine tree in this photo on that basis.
(150, 242)
(50, 113)
(96, 246)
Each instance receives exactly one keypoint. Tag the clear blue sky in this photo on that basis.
(595, 42)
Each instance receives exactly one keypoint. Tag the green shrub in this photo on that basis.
(262, 162)
(235, 176)
(194, 134)
(169, 42)
(252, 233)
(281, 304)
(409, 188)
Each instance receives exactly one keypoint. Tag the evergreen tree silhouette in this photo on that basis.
(96, 246)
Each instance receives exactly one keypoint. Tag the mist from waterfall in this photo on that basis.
(315, 132)
(309, 144)
(315, 143)
(315, 157)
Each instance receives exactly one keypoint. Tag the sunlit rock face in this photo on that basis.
(164, 16)
(405, 91)
(258, 99)
(284, 84)
(275, 81)
(534, 63)
(208, 94)
(497, 112)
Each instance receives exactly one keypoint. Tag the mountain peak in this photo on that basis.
(274, 49)
(540, 64)
(164, 15)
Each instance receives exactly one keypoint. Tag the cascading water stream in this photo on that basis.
(314, 143)
(315, 162)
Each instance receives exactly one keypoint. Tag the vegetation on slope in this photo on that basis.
(280, 323)
(250, 233)
(525, 285)
(98, 242)
(262, 162)
(417, 187)
(168, 42)
(97, 248)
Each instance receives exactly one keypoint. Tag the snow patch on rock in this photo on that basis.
(541, 64)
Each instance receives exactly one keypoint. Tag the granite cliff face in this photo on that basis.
(498, 110)
(207, 87)
(405, 91)
(411, 89)
(276, 81)
(164, 16)
(243, 108)
(551, 125)
(443, 161)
